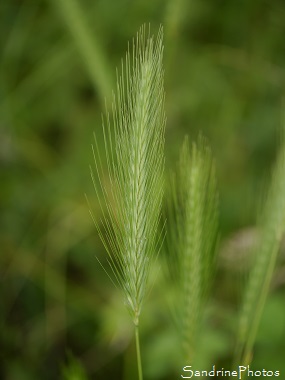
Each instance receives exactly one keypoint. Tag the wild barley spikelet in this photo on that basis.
(134, 145)
(193, 224)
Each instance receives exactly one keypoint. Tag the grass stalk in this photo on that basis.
(140, 373)
(87, 44)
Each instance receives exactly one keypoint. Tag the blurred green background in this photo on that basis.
(60, 316)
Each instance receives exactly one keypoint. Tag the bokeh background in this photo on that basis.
(60, 316)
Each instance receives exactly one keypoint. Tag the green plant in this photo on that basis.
(134, 141)
(192, 236)
(56, 67)
(271, 224)
(130, 200)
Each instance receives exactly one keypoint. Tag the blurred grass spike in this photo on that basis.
(272, 227)
(134, 144)
(192, 236)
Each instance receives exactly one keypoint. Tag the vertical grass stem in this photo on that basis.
(138, 352)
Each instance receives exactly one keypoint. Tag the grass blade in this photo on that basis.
(272, 228)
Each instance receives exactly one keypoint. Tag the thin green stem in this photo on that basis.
(88, 45)
(138, 353)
